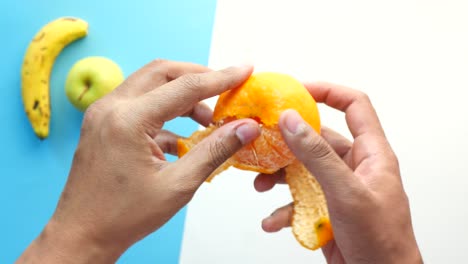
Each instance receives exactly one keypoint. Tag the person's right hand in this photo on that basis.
(368, 207)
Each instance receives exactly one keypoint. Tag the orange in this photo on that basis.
(263, 97)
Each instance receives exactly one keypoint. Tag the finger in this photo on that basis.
(361, 119)
(201, 113)
(265, 182)
(360, 114)
(179, 96)
(155, 74)
(279, 219)
(339, 143)
(195, 166)
(167, 142)
(335, 177)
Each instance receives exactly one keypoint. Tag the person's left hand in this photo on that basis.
(120, 187)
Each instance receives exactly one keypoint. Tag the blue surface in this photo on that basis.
(131, 33)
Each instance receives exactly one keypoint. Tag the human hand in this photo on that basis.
(120, 187)
(368, 207)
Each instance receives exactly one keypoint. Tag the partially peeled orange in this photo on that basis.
(263, 97)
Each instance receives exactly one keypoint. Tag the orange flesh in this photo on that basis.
(267, 154)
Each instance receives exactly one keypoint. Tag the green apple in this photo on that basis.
(90, 79)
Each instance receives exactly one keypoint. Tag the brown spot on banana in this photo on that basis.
(38, 38)
(43, 48)
(44, 82)
(36, 104)
(70, 19)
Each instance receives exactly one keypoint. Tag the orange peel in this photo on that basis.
(310, 222)
(263, 97)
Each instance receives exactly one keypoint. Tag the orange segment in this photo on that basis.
(267, 154)
(311, 222)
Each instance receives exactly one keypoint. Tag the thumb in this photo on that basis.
(195, 166)
(317, 155)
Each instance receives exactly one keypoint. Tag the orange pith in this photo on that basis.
(263, 97)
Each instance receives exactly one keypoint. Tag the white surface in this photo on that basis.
(410, 56)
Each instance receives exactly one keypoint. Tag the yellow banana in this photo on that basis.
(37, 66)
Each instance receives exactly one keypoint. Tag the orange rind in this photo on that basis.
(263, 97)
(311, 222)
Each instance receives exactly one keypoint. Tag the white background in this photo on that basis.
(410, 56)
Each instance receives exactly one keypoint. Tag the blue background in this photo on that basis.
(33, 172)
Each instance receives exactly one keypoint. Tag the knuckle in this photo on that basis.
(184, 191)
(115, 123)
(159, 63)
(317, 147)
(191, 80)
(159, 69)
(393, 158)
(218, 153)
(92, 116)
(362, 96)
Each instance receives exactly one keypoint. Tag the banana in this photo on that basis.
(37, 66)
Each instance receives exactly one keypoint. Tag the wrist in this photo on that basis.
(59, 245)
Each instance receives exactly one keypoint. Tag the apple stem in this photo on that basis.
(87, 86)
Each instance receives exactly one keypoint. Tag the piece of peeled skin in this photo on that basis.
(310, 222)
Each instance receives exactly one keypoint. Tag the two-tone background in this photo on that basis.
(410, 56)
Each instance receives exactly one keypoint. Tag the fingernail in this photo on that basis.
(247, 132)
(294, 122)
